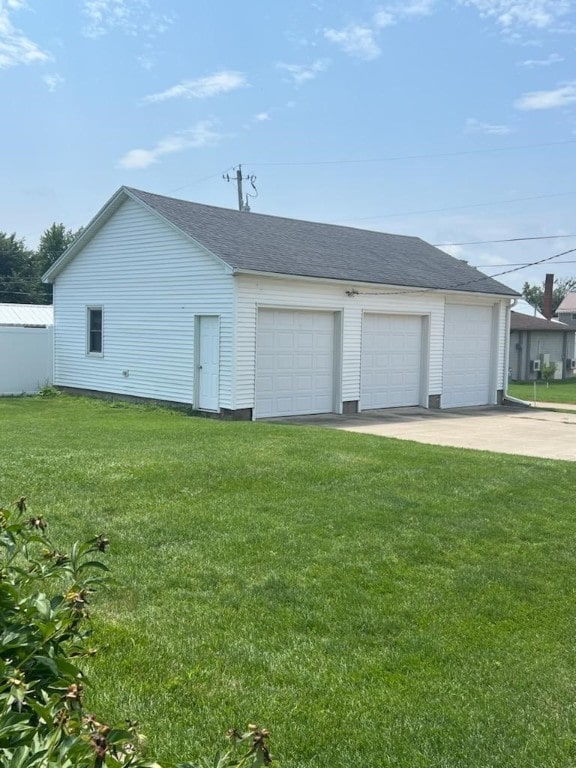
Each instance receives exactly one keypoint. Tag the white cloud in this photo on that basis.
(527, 13)
(554, 58)
(15, 47)
(360, 40)
(477, 126)
(262, 117)
(301, 73)
(389, 15)
(558, 97)
(146, 62)
(202, 88)
(356, 40)
(418, 8)
(384, 18)
(130, 17)
(201, 135)
(53, 81)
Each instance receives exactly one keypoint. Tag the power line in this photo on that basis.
(418, 157)
(507, 240)
(512, 264)
(479, 279)
(525, 266)
(459, 207)
(199, 181)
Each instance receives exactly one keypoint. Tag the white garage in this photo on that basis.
(468, 335)
(294, 362)
(391, 366)
(255, 316)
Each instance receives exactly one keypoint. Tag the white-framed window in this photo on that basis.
(95, 331)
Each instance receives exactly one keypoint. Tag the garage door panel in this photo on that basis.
(467, 356)
(391, 360)
(304, 361)
(304, 340)
(294, 362)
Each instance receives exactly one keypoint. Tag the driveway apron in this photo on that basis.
(549, 434)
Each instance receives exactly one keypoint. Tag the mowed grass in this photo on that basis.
(556, 392)
(372, 602)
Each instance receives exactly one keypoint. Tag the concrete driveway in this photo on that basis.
(523, 431)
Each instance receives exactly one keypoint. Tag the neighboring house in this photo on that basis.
(250, 315)
(566, 311)
(25, 348)
(535, 341)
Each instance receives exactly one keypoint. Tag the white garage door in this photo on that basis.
(467, 356)
(294, 363)
(391, 361)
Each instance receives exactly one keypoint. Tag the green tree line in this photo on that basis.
(21, 268)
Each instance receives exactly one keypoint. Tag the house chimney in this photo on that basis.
(548, 289)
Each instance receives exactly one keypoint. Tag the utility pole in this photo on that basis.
(243, 204)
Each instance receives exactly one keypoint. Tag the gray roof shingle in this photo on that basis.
(520, 322)
(254, 241)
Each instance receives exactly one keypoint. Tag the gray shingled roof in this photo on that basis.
(520, 322)
(254, 241)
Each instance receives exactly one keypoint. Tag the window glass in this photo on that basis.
(95, 330)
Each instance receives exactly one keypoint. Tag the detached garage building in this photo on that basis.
(252, 316)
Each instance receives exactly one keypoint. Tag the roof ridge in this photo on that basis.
(139, 192)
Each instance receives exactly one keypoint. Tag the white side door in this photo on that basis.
(208, 362)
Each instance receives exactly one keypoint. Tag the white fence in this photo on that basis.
(25, 359)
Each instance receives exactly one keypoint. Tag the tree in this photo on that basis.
(17, 272)
(52, 245)
(534, 294)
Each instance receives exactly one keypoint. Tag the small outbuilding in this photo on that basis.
(247, 315)
(535, 342)
(25, 348)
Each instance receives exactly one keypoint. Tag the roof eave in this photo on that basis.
(400, 288)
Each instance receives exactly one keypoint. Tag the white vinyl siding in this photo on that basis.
(152, 283)
(502, 339)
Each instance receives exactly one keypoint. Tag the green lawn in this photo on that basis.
(556, 392)
(372, 602)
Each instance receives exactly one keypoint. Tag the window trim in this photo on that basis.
(89, 309)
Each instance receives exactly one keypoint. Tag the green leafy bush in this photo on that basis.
(44, 634)
(548, 372)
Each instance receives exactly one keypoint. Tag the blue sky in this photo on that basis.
(453, 120)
